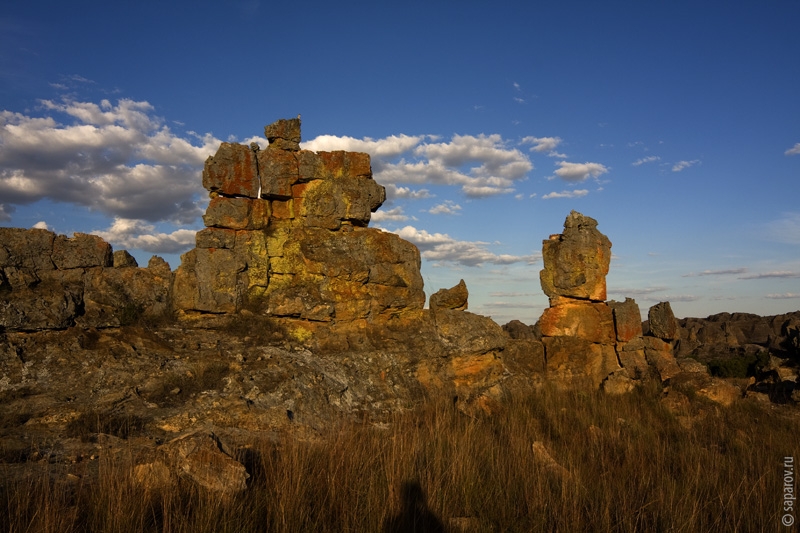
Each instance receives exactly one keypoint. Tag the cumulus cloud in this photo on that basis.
(546, 145)
(577, 193)
(395, 214)
(119, 159)
(449, 207)
(642, 161)
(41, 225)
(682, 165)
(794, 150)
(385, 148)
(138, 234)
(482, 165)
(393, 191)
(443, 248)
(577, 172)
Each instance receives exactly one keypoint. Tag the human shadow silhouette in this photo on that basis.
(414, 515)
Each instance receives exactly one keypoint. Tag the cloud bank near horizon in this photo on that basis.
(122, 160)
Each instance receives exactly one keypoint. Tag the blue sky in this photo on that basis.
(675, 124)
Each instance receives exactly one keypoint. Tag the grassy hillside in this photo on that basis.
(551, 461)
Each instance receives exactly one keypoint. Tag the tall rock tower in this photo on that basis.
(578, 328)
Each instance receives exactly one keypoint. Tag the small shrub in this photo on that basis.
(739, 366)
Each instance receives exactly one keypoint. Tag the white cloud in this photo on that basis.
(393, 191)
(119, 159)
(41, 225)
(481, 165)
(577, 193)
(542, 144)
(794, 150)
(385, 148)
(449, 207)
(784, 296)
(442, 247)
(577, 172)
(642, 161)
(395, 214)
(138, 234)
(5, 212)
(681, 165)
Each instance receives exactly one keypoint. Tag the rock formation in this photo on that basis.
(291, 311)
(287, 235)
(50, 281)
(578, 328)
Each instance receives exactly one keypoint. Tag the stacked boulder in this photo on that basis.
(578, 328)
(286, 234)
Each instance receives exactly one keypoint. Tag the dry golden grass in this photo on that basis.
(601, 463)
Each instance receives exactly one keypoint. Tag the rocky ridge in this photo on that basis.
(290, 312)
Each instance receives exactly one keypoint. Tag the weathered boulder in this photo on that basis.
(237, 213)
(81, 251)
(467, 333)
(577, 363)
(232, 171)
(453, 298)
(593, 322)
(199, 458)
(123, 259)
(576, 262)
(364, 273)
(627, 319)
(120, 296)
(521, 331)
(660, 355)
(284, 134)
(662, 321)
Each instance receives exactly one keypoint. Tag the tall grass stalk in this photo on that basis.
(601, 463)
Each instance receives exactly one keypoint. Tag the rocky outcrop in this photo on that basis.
(578, 328)
(576, 262)
(50, 281)
(287, 236)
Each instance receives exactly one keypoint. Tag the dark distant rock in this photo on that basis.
(662, 321)
(520, 331)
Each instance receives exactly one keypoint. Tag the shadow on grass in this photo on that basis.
(415, 516)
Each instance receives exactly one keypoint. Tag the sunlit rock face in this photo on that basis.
(576, 262)
(577, 329)
(287, 234)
